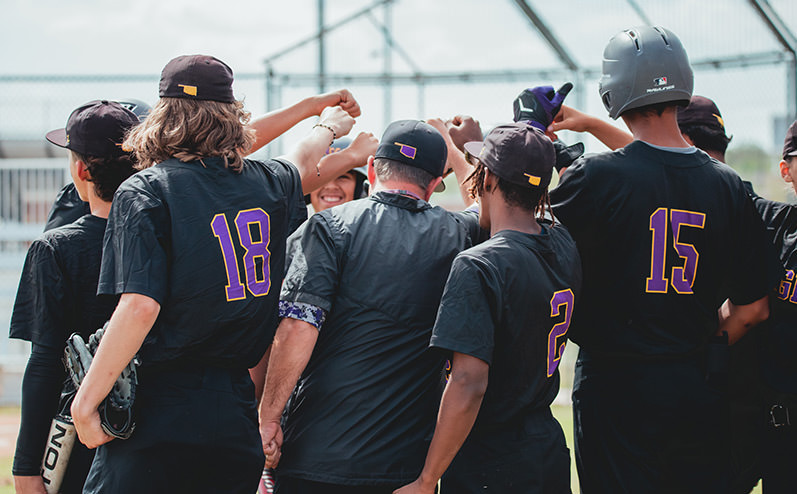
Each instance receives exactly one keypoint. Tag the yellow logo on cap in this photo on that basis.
(533, 180)
(190, 90)
(719, 119)
(67, 139)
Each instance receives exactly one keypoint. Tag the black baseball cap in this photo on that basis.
(96, 128)
(701, 111)
(518, 153)
(198, 77)
(790, 144)
(414, 143)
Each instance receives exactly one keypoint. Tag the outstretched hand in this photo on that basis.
(342, 98)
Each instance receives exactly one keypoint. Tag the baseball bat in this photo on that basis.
(60, 442)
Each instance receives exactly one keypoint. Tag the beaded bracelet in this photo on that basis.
(334, 134)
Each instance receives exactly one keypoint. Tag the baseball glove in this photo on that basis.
(116, 410)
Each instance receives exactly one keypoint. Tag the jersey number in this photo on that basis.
(253, 227)
(557, 337)
(682, 278)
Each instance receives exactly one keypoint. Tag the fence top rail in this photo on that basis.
(33, 164)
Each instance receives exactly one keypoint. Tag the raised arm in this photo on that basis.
(455, 160)
(569, 118)
(273, 124)
(334, 122)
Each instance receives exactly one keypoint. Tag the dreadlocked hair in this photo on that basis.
(536, 201)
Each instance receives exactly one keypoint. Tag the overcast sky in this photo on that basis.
(440, 36)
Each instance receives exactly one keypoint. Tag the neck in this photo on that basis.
(659, 130)
(717, 155)
(506, 217)
(397, 185)
(98, 206)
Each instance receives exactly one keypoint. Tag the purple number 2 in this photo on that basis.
(258, 281)
(556, 338)
(682, 278)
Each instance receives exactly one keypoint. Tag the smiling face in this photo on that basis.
(336, 192)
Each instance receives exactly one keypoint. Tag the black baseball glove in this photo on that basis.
(116, 410)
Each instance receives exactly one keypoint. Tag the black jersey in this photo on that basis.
(509, 302)
(58, 288)
(665, 238)
(363, 411)
(68, 207)
(208, 244)
(780, 337)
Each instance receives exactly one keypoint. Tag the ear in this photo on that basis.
(784, 171)
(371, 171)
(432, 186)
(82, 171)
(489, 180)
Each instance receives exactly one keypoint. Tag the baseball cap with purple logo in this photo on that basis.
(415, 143)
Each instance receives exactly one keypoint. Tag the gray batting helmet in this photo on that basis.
(642, 66)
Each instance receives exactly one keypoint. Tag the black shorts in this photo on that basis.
(525, 458)
(653, 427)
(196, 431)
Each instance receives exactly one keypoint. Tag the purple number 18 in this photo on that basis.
(256, 274)
(682, 278)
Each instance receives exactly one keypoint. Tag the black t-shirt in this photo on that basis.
(665, 238)
(780, 332)
(68, 207)
(509, 302)
(57, 293)
(208, 244)
(364, 409)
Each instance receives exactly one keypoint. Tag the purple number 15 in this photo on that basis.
(258, 281)
(682, 278)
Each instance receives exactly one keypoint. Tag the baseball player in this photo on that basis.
(350, 185)
(779, 371)
(58, 289)
(68, 205)
(504, 315)
(190, 247)
(676, 265)
(366, 387)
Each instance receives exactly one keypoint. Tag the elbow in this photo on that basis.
(140, 306)
(760, 312)
(471, 387)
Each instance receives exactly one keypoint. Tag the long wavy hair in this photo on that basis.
(191, 130)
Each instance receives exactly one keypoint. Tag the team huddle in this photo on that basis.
(386, 345)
